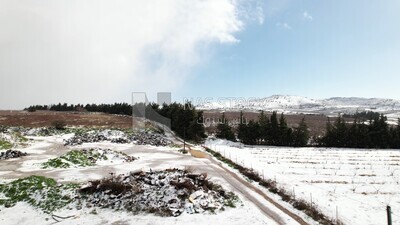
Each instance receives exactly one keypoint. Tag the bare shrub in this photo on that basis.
(188, 184)
(115, 187)
(188, 169)
(59, 124)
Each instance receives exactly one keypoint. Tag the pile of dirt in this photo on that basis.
(10, 154)
(79, 139)
(150, 138)
(116, 136)
(165, 193)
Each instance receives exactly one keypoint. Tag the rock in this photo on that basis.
(196, 195)
(189, 208)
(10, 154)
(204, 203)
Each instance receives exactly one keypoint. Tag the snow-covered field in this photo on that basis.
(41, 149)
(354, 186)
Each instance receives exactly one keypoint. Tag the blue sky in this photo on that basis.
(100, 51)
(311, 48)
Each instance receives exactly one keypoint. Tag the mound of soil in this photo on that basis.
(165, 193)
(115, 136)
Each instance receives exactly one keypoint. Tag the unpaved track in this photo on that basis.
(239, 187)
(232, 177)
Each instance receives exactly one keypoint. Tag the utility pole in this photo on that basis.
(184, 139)
(337, 215)
(389, 215)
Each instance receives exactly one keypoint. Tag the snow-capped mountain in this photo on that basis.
(298, 104)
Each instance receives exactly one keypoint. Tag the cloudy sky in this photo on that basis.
(84, 51)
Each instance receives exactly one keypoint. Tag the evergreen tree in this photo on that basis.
(396, 135)
(285, 133)
(265, 126)
(242, 128)
(301, 134)
(379, 133)
(253, 131)
(224, 130)
(376, 134)
(274, 133)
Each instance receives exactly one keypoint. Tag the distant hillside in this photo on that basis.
(298, 104)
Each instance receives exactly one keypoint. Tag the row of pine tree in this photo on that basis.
(115, 108)
(375, 133)
(266, 131)
(362, 133)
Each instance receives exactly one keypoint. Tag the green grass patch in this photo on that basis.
(75, 157)
(18, 137)
(5, 144)
(232, 201)
(38, 191)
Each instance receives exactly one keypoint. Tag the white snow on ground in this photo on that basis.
(23, 213)
(150, 157)
(28, 215)
(393, 118)
(357, 184)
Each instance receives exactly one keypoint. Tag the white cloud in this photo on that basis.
(260, 14)
(307, 16)
(101, 50)
(251, 10)
(284, 25)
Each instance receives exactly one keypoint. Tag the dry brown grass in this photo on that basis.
(46, 118)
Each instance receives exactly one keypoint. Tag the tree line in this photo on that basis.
(368, 130)
(266, 131)
(115, 108)
(374, 133)
(362, 116)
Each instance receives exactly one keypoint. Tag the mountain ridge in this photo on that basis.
(296, 103)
